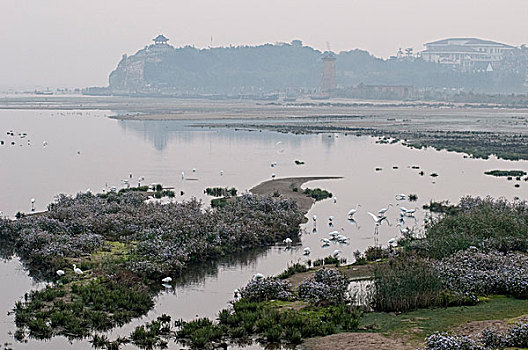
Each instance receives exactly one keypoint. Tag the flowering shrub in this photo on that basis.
(482, 273)
(270, 288)
(444, 341)
(160, 239)
(326, 287)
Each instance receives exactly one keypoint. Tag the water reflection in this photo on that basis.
(162, 132)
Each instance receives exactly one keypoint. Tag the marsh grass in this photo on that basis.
(486, 223)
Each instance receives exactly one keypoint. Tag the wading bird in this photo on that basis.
(378, 220)
(403, 231)
(287, 241)
(167, 280)
(60, 273)
(336, 253)
(307, 251)
(410, 212)
(258, 276)
(351, 212)
(382, 211)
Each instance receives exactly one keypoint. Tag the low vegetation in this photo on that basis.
(317, 193)
(125, 246)
(476, 250)
(221, 191)
(270, 311)
(506, 173)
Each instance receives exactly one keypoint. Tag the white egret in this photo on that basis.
(335, 200)
(60, 273)
(342, 239)
(410, 212)
(288, 241)
(273, 176)
(330, 218)
(351, 212)
(258, 276)
(403, 231)
(236, 295)
(392, 242)
(378, 220)
(32, 204)
(403, 209)
(77, 270)
(314, 218)
(326, 242)
(336, 253)
(307, 251)
(333, 234)
(382, 211)
(183, 175)
(167, 280)
(401, 197)
(221, 172)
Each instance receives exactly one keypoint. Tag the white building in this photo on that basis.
(467, 54)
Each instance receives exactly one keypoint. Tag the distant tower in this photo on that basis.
(328, 82)
(160, 40)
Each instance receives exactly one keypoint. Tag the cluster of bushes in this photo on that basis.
(326, 287)
(483, 273)
(79, 308)
(269, 288)
(256, 314)
(126, 246)
(514, 337)
(477, 248)
(221, 191)
(480, 222)
(317, 193)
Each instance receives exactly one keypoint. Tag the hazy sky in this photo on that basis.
(76, 43)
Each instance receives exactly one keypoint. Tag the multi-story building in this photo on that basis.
(467, 54)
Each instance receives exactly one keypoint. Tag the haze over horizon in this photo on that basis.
(73, 43)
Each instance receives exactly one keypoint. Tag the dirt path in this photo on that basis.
(359, 341)
(284, 188)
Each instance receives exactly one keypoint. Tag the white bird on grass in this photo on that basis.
(167, 280)
(77, 270)
(60, 273)
(288, 241)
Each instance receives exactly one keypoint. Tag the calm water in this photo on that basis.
(87, 150)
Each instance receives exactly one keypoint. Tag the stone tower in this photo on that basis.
(328, 81)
